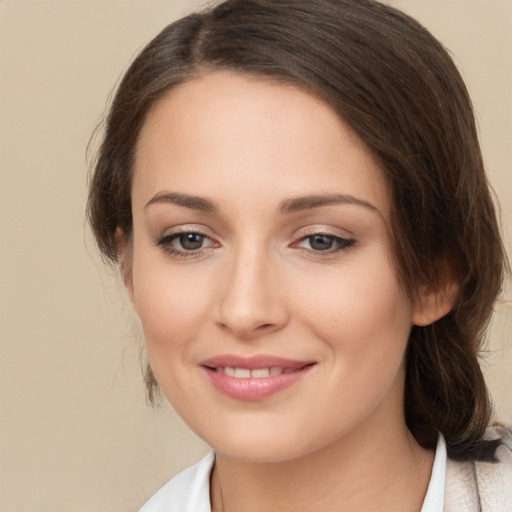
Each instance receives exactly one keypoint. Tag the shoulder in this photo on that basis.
(187, 491)
(485, 486)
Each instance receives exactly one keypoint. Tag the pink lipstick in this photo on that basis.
(253, 378)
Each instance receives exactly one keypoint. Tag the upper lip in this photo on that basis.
(253, 362)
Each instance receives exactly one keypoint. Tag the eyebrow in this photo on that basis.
(287, 206)
(315, 201)
(188, 201)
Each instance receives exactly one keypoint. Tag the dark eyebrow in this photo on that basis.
(308, 202)
(287, 206)
(179, 199)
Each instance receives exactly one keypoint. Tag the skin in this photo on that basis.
(335, 440)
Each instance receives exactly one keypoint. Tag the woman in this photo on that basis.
(295, 194)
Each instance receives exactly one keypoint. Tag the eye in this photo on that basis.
(321, 242)
(190, 241)
(185, 243)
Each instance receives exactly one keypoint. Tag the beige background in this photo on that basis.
(75, 432)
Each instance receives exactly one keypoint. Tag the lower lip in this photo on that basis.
(253, 389)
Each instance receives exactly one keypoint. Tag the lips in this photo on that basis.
(254, 378)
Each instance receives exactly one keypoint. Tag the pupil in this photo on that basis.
(321, 242)
(191, 241)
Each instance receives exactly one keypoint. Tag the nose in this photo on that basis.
(252, 302)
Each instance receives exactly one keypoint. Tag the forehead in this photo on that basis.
(238, 133)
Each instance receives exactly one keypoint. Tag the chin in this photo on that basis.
(267, 453)
(259, 443)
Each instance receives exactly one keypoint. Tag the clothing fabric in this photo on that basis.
(453, 487)
(188, 491)
(482, 486)
(434, 499)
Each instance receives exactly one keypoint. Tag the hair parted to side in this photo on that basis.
(399, 90)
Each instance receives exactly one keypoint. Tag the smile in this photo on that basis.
(255, 378)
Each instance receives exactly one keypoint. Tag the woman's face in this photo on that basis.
(261, 271)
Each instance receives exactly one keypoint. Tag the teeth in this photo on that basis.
(257, 373)
(242, 373)
(260, 372)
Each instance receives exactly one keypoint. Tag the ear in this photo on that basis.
(125, 249)
(432, 304)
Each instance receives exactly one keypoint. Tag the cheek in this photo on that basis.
(363, 319)
(362, 313)
(171, 302)
(172, 310)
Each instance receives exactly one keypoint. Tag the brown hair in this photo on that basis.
(399, 90)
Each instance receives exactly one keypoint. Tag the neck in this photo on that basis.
(379, 470)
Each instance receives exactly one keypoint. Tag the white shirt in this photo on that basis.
(189, 491)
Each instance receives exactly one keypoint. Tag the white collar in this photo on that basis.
(434, 499)
(188, 491)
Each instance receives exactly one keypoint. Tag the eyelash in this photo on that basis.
(340, 243)
(165, 242)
